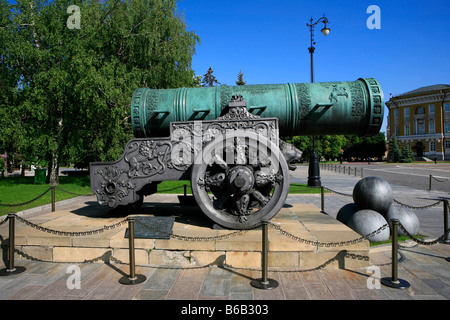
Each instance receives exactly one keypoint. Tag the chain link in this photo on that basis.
(418, 207)
(438, 180)
(27, 202)
(434, 204)
(338, 193)
(71, 233)
(418, 241)
(4, 220)
(187, 238)
(328, 244)
(340, 255)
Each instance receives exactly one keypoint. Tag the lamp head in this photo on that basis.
(325, 30)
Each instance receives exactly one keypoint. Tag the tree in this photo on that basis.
(329, 146)
(363, 147)
(196, 81)
(407, 155)
(394, 154)
(209, 80)
(240, 81)
(68, 91)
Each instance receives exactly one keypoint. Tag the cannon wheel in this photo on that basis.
(238, 181)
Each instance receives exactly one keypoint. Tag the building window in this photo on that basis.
(420, 126)
(446, 107)
(406, 112)
(433, 146)
(447, 144)
(396, 113)
(397, 131)
(420, 110)
(407, 131)
(431, 126)
(431, 108)
(446, 127)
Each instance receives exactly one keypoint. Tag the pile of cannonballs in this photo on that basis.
(373, 207)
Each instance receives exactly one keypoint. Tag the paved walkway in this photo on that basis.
(424, 267)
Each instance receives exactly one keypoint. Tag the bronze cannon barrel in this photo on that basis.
(323, 108)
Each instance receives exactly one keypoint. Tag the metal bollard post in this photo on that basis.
(133, 278)
(264, 282)
(429, 183)
(11, 270)
(53, 198)
(394, 281)
(361, 172)
(322, 199)
(445, 240)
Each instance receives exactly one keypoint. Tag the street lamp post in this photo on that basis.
(313, 170)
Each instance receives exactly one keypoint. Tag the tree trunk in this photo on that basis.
(53, 174)
(22, 168)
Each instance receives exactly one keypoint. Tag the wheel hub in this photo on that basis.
(240, 180)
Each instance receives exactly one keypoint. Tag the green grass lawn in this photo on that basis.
(15, 190)
(400, 239)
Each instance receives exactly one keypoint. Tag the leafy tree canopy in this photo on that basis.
(65, 92)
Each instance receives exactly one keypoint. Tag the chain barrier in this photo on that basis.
(327, 244)
(338, 193)
(221, 237)
(340, 255)
(27, 202)
(72, 193)
(175, 188)
(438, 180)
(418, 207)
(75, 194)
(4, 220)
(107, 256)
(434, 204)
(71, 233)
(187, 238)
(421, 242)
(226, 236)
(43, 194)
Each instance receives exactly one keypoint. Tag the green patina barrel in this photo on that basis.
(324, 108)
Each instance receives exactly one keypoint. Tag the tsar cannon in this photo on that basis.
(226, 141)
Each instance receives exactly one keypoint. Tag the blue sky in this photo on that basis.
(269, 40)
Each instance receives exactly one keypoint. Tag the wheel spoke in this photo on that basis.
(216, 180)
(242, 207)
(260, 197)
(220, 162)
